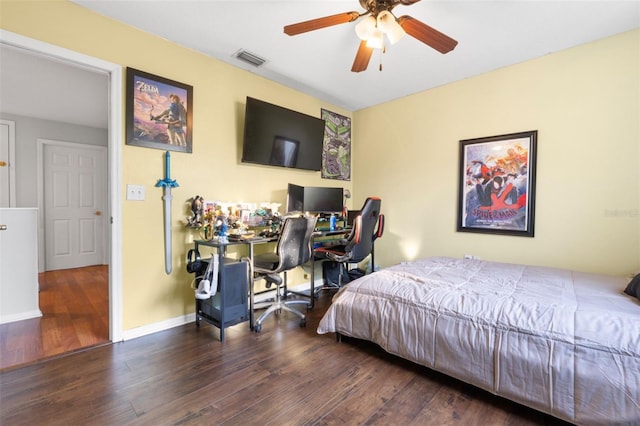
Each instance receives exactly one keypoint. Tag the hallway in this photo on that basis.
(75, 315)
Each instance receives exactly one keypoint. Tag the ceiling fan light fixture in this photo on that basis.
(388, 24)
(377, 20)
(376, 40)
(365, 28)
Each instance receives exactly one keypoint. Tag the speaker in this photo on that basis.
(194, 263)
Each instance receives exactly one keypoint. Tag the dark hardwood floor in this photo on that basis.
(75, 315)
(283, 375)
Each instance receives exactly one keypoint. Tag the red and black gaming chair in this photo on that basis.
(368, 226)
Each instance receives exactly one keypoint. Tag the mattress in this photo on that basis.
(563, 342)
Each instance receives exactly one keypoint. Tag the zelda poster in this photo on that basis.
(159, 112)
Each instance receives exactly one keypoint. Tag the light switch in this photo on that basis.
(135, 192)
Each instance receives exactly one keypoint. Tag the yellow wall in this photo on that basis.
(584, 102)
(213, 170)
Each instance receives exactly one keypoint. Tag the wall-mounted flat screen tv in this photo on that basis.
(278, 136)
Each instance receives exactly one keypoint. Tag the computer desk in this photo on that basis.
(320, 233)
(221, 249)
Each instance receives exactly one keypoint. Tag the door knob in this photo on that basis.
(3, 164)
(98, 213)
(3, 227)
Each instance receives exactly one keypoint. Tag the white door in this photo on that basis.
(7, 164)
(74, 202)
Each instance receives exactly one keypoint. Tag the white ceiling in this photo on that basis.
(36, 86)
(490, 35)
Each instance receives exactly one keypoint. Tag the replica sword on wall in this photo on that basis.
(167, 183)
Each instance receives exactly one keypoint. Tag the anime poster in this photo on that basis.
(497, 184)
(159, 112)
(336, 150)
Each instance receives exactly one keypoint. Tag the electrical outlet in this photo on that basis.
(135, 192)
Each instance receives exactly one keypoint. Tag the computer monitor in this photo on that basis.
(314, 199)
(351, 216)
(295, 198)
(323, 200)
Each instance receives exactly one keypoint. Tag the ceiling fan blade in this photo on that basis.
(426, 34)
(316, 24)
(361, 62)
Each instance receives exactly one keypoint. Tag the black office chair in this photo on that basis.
(293, 249)
(368, 226)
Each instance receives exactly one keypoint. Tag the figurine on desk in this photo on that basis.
(195, 221)
(273, 224)
(222, 231)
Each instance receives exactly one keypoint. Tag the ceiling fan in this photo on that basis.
(379, 21)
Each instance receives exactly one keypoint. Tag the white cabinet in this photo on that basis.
(18, 264)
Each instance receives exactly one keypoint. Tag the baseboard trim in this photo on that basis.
(158, 326)
(189, 318)
(20, 316)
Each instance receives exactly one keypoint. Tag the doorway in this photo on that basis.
(112, 213)
(74, 197)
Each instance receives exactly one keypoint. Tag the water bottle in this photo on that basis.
(332, 223)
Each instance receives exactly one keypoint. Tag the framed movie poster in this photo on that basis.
(159, 112)
(496, 191)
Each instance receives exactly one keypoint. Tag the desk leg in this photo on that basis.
(250, 281)
(312, 289)
(373, 258)
(222, 253)
(196, 299)
(198, 302)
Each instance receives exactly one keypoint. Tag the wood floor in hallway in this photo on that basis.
(75, 315)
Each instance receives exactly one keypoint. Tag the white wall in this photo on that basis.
(28, 131)
(18, 265)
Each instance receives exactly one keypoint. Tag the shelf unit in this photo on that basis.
(229, 306)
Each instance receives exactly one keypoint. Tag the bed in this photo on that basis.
(563, 342)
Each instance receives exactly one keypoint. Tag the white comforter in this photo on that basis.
(563, 342)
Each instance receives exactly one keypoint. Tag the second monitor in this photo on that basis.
(314, 199)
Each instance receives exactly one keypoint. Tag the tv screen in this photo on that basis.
(314, 199)
(278, 136)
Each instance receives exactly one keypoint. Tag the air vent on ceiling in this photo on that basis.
(250, 58)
